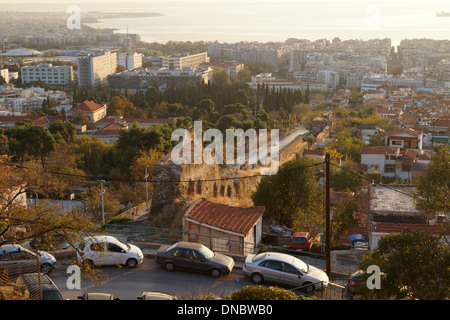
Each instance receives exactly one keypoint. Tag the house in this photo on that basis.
(405, 138)
(110, 133)
(94, 111)
(223, 227)
(380, 160)
(368, 130)
(389, 162)
(439, 131)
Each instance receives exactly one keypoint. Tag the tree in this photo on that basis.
(433, 187)
(19, 222)
(413, 263)
(66, 130)
(292, 192)
(221, 77)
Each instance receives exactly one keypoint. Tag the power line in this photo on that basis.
(87, 177)
(371, 180)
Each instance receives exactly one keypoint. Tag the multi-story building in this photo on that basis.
(130, 60)
(5, 74)
(181, 61)
(231, 67)
(48, 74)
(95, 67)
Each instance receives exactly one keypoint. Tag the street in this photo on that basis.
(128, 284)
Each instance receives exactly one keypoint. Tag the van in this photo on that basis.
(108, 250)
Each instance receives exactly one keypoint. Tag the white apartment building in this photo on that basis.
(48, 74)
(183, 61)
(5, 74)
(94, 67)
(130, 60)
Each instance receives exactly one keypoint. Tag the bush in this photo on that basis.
(264, 293)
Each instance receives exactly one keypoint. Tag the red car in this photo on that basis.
(301, 240)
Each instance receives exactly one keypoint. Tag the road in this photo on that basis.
(128, 284)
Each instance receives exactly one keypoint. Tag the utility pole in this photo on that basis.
(327, 218)
(146, 187)
(103, 209)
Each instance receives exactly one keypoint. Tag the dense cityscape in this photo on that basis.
(90, 120)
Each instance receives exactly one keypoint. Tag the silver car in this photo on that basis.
(19, 260)
(284, 269)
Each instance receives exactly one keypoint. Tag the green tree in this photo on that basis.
(433, 187)
(292, 190)
(413, 263)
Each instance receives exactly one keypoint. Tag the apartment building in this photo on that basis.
(48, 74)
(231, 67)
(5, 74)
(130, 60)
(183, 61)
(95, 67)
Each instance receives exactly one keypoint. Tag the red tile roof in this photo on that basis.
(229, 218)
(379, 150)
(110, 130)
(88, 106)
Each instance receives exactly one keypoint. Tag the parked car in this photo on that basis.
(284, 269)
(301, 241)
(354, 285)
(18, 260)
(36, 286)
(156, 295)
(98, 296)
(194, 256)
(52, 242)
(108, 250)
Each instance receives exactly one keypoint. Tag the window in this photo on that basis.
(396, 143)
(181, 253)
(389, 168)
(271, 264)
(112, 247)
(286, 267)
(97, 246)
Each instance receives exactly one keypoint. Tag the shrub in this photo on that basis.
(263, 293)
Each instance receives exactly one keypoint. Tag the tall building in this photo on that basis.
(298, 60)
(130, 60)
(94, 67)
(48, 74)
(5, 74)
(180, 61)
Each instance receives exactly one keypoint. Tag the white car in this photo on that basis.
(108, 250)
(284, 269)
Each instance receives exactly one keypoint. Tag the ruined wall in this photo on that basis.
(219, 183)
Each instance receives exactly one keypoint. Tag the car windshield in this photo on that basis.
(51, 295)
(207, 253)
(299, 264)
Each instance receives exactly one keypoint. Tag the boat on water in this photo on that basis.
(443, 14)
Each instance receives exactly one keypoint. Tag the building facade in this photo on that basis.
(94, 67)
(48, 74)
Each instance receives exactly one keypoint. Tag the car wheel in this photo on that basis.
(308, 287)
(46, 268)
(169, 266)
(88, 263)
(257, 278)
(131, 263)
(215, 273)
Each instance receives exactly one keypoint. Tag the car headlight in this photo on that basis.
(140, 255)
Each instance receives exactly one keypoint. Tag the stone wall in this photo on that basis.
(219, 183)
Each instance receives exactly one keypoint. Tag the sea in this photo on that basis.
(274, 21)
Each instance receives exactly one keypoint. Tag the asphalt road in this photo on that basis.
(128, 284)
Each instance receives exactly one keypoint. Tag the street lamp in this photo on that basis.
(146, 187)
